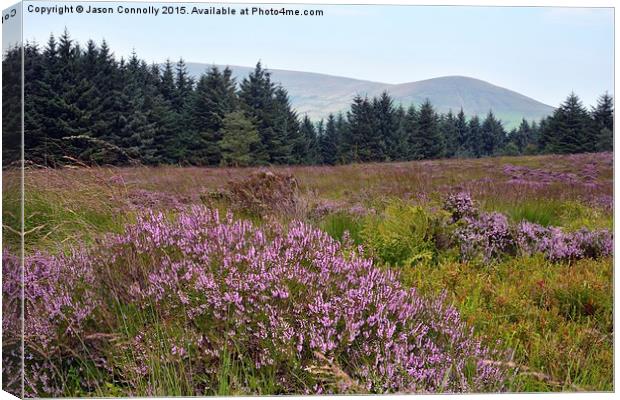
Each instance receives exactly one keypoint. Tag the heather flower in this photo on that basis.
(558, 245)
(59, 301)
(326, 207)
(280, 298)
(604, 202)
(460, 205)
(487, 236)
(527, 175)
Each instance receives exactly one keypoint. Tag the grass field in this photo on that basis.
(540, 306)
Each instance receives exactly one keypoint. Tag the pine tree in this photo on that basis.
(522, 136)
(183, 88)
(287, 130)
(533, 144)
(104, 79)
(448, 127)
(492, 135)
(11, 110)
(385, 128)
(239, 139)
(400, 137)
(474, 141)
(410, 129)
(213, 99)
(83, 103)
(167, 85)
(462, 135)
(309, 133)
(57, 91)
(329, 142)
(364, 142)
(34, 103)
(427, 140)
(570, 129)
(165, 147)
(257, 94)
(603, 120)
(342, 132)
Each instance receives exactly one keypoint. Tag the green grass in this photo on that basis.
(546, 213)
(337, 224)
(570, 214)
(556, 317)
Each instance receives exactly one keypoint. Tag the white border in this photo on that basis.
(539, 3)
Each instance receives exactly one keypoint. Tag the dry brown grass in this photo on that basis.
(354, 183)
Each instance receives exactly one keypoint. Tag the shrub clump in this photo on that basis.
(291, 303)
(489, 236)
(557, 245)
(460, 205)
(266, 192)
(60, 300)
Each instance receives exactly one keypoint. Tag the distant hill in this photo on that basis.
(318, 94)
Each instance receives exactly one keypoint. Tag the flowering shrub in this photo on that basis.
(297, 293)
(489, 236)
(59, 301)
(460, 205)
(11, 323)
(557, 245)
(291, 301)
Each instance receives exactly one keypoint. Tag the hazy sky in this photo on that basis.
(543, 53)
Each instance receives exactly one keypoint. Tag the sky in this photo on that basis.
(541, 52)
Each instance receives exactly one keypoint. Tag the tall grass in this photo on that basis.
(341, 224)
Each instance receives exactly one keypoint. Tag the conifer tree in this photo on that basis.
(410, 129)
(364, 141)
(212, 100)
(34, 103)
(427, 140)
(492, 135)
(448, 127)
(474, 141)
(342, 131)
(522, 136)
(385, 128)
(167, 86)
(11, 110)
(183, 88)
(257, 96)
(83, 103)
(329, 141)
(309, 133)
(238, 142)
(287, 130)
(569, 129)
(462, 134)
(603, 122)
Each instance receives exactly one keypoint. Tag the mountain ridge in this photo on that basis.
(317, 94)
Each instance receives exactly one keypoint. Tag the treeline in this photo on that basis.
(83, 104)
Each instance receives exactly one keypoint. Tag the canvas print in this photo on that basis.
(218, 199)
